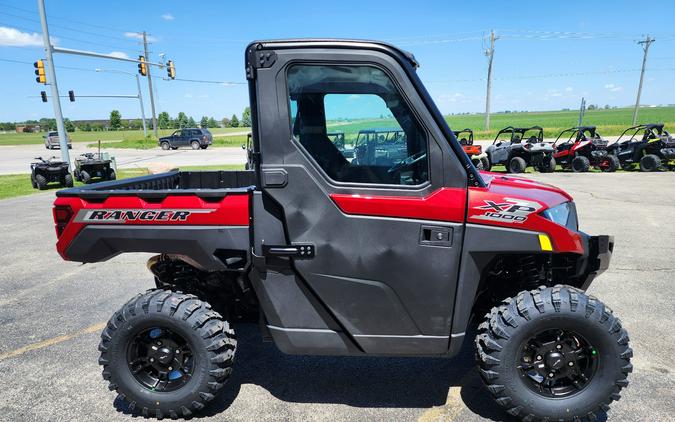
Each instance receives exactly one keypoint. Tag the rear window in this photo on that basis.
(53, 134)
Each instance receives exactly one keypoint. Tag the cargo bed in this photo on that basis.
(200, 183)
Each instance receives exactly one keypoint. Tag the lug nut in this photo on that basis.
(558, 346)
(538, 357)
(177, 351)
(551, 374)
(152, 360)
(571, 364)
(170, 368)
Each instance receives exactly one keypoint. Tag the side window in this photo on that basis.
(355, 125)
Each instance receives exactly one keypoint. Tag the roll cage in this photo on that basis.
(464, 141)
(649, 131)
(518, 134)
(579, 133)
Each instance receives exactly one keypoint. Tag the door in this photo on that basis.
(386, 231)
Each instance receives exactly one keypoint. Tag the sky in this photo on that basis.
(548, 55)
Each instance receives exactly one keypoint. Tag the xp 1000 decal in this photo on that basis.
(508, 210)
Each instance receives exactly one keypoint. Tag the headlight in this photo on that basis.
(564, 214)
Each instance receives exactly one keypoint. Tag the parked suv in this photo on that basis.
(192, 137)
(52, 140)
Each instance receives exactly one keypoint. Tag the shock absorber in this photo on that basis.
(529, 272)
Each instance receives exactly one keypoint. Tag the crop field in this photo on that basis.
(609, 122)
(12, 138)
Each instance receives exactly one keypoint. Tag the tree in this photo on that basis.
(211, 123)
(191, 122)
(181, 121)
(203, 123)
(115, 120)
(163, 120)
(225, 121)
(234, 122)
(69, 126)
(246, 117)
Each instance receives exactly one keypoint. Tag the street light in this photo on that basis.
(140, 97)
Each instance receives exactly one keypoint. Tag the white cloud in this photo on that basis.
(119, 54)
(188, 95)
(569, 89)
(613, 88)
(168, 17)
(139, 36)
(12, 37)
(203, 96)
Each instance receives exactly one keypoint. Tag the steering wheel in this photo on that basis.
(407, 162)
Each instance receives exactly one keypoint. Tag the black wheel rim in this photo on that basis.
(160, 359)
(557, 363)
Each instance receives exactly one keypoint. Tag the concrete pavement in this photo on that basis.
(51, 311)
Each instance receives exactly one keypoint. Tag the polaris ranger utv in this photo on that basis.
(520, 148)
(649, 145)
(334, 257)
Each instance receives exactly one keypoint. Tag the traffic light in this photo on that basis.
(170, 69)
(44, 96)
(40, 72)
(142, 69)
(71, 96)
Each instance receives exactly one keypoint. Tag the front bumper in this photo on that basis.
(596, 259)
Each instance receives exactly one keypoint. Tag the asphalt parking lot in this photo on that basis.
(51, 313)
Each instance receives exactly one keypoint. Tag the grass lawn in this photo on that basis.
(12, 185)
(12, 138)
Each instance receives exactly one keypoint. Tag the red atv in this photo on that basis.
(332, 256)
(580, 148)
(475, 152)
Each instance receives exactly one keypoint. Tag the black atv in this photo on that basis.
(92, 165)
(43, 172)
(649, 145)
(519, 147)
(583, 149)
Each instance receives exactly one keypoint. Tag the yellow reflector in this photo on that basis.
(545, 243)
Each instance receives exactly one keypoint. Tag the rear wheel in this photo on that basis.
(166, 354)
(553, 354)
(650, 162)
(486, 163)
(581, 164)
(194, 145)
(68, 180)
(517, 165)
(165, 146)
(40, 182)
(32, 182)
(111, 174)
(548, 166)
(611, 164)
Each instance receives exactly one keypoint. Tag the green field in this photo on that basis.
(12, 185)
(12, 138)
(609, 122)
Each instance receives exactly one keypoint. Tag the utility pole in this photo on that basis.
(490, 52)
(152, 98)
(140, 100)
(582, 110)
(645, 47)
(63, 140)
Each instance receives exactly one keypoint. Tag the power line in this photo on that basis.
(225, 83)
(68, 19)
(117, 48)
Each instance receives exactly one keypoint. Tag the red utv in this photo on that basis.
(580, 148)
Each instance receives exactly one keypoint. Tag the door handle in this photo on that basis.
(436, 236)
(298, 251)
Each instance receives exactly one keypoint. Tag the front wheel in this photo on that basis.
(650, 162)
(581, 164)
(553, 354)
(68, 180)
(166, 354)
(486, 163)
(611, 164)
(165, 146)
(111, 174)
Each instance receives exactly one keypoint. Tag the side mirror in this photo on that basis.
(243, 146)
